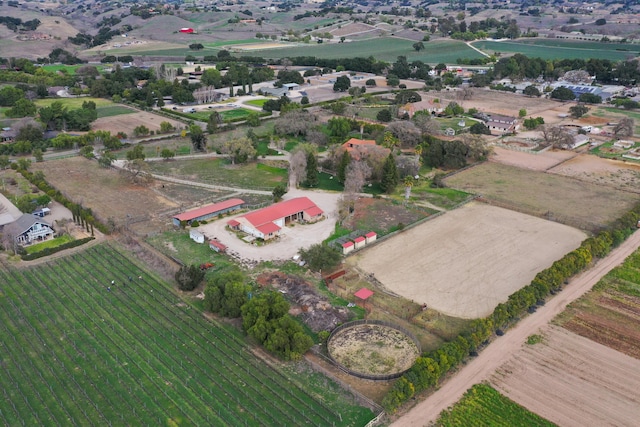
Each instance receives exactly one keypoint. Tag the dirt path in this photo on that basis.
(498, 352)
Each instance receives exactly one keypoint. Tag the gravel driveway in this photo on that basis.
(291, 238)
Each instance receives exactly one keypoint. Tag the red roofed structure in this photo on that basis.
(347, 247)
(208, 211)
(370, 237)
(360, 242)
(354, 142)
(356, 147)
(217, 246)
(187, 30)
(266, 223)
(363, 293)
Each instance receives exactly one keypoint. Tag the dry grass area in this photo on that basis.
(573, 381)
(564, 199)
(466, 261)
(539, 162)
(373, 349)
(109, 194)
(127, 122)
(257, 46)
(618, 174)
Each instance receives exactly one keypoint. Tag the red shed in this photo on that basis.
(186, 30)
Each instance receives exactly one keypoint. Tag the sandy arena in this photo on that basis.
(467, 261)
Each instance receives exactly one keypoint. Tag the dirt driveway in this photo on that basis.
(292, 238)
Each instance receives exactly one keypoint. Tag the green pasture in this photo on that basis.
(616, 113)
(113, 110)
(69, 69)
(227, 115)
(94, 339)
(482, 405)
(219, 171)
(383, 48)
(560, 49)
(445, 198)
(52, 243)
(73, 103)
(256, 102)
(177, 244)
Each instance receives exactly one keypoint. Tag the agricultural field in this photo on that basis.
(610, 313)
(483, 405)
(108, 193)
(563, 199)
(618, 174)
(384, 49)
(612, 114)
(128, 122)
(74, 103)
(79, 348)
(559, 49)
(218, 171)
(465, 262)
(572, 381)
(69, 69)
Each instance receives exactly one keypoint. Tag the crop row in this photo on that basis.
(79, 350)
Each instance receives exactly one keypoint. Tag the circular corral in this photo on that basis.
(372, 349)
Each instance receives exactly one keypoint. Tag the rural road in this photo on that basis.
(497, 353)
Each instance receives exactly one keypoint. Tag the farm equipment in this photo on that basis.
(206, 266)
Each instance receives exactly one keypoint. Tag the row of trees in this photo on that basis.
(431, 367)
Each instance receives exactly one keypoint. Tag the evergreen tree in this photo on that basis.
(342, 167)
(390, 175)
(312, 170)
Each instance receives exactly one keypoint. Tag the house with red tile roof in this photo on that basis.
(357, 147)
(266, 223)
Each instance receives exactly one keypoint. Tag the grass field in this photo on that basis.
(219, 171)
(256, 102)
(69, 69)
(560, 49)
(442, 197)
(113, 110)
(76, 352)
(52, 243)
(73, 103)
(567, 200)
(228, 115)
(482, 405)
(610, 313)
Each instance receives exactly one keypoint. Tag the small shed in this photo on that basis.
(347, 247)
(363, 295)
(217, 246)
(370, 237)
(196, 236)
(360, 242)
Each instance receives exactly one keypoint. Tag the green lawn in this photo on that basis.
(560, 49)
(52, 243)
(256, 102)
(95, 339)
(482, 405)
(113, 110)
(219, 171)
(445, 198)
(70, 69)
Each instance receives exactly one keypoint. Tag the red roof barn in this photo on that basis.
(208, 211)
(266, 223)
(187, 30)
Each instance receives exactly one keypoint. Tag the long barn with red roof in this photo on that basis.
(266, 223)
(208, 211)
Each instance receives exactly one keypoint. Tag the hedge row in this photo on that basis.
(431, 367)
(50, 251)
(85, 214)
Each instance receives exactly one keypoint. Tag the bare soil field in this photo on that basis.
(109, 194)
(497, 102)
(465, 262)
(127, 122)
(538, 162)
(258, 46)
(373, 349)
(573, 381)
(563, 199)
(614, 173)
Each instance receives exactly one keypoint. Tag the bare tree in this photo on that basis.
(317, 137)
(557, 136)
(407, 132)
(138, 170)
(465, 94)
(375, 156)
(297, 167)
(358, 172)
(625, 127)
(427, 124)
(577, 76)
(295, 122)
(408, 165)
(239, 149)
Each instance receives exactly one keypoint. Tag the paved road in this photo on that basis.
(497, 353)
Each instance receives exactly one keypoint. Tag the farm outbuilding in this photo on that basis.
(370, 237)
(196, 236)
(217, 246)
(347, 247)
(266, 223)
(187, 30)
(360, 242)
(209, 211)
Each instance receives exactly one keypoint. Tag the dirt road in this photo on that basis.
(481, 368)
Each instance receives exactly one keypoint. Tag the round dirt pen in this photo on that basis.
(373, 349)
